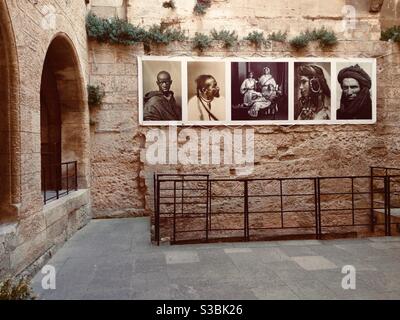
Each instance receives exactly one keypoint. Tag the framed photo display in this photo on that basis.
(256, 91)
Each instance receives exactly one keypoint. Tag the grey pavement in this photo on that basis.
(114, 259)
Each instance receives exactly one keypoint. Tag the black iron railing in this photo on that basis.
(59, 180)
(196, 208)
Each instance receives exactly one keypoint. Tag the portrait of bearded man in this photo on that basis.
(355, 101)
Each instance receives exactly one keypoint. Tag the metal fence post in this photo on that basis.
(76, 175)
(386, 204)
(246, 211)
(67, 177)
(57, 186)
(389, 207)
(174, 227)
(371, 189)
(207, 208)
(316, 207)
(158, 213)
(44, 186)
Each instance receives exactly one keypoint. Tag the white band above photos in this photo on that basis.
(256, 91)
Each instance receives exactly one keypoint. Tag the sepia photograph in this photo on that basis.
(206, 91)
(162, 91)
(259, 90)
(312, 90)
(353, 90)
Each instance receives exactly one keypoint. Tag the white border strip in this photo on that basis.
(228, 61)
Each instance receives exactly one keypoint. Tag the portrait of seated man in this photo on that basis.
(313, 101)
(160, 105)
(355, 99)
(206, 105)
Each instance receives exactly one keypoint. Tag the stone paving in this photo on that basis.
(114, 259)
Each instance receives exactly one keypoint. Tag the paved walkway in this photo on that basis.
(113, 259)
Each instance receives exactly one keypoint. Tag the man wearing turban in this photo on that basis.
(355, 102)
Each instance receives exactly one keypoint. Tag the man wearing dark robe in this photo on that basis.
(355, 102)
(161, 105)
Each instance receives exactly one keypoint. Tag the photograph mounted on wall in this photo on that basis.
(263, 91)
(312, 91)
(162, 98)
(206, 91)
(354, 100)
(259, 90)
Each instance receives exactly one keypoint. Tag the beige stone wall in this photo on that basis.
(121, 179)
(29, 235)
(115, 136)
(247, 15)
(390, 13)
(279, 151)
(109, 8)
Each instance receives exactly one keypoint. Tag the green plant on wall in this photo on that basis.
(229, 38)
(118, 31)
(300, 41)
(97, 28)
(12, 290)
(201, 41)
(162, 35)
(256, 38)
(325, 37)
(391, 34)
(113, 30)
(201, 7)
(95, 95)
(125, 33)
(278, 36)
(169, 4)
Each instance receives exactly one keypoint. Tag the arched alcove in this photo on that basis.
(63, 115)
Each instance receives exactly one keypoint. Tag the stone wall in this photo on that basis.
(121, 179)
(269, 16)
(27, 234)
(109, 8)
(280, 151)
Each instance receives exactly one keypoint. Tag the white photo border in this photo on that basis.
(233, 123)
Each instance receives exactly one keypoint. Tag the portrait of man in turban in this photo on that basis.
(355, 101)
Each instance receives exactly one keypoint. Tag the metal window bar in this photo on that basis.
(54, 190)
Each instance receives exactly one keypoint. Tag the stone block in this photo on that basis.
(29, 227)
(57, 232)
(28, 252)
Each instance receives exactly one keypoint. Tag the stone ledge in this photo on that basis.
(106, 53)
(119, 213)
(55, 210)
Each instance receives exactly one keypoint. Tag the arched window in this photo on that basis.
(64, 121)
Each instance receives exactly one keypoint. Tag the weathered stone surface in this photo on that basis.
(114, 151)
(24, 39)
